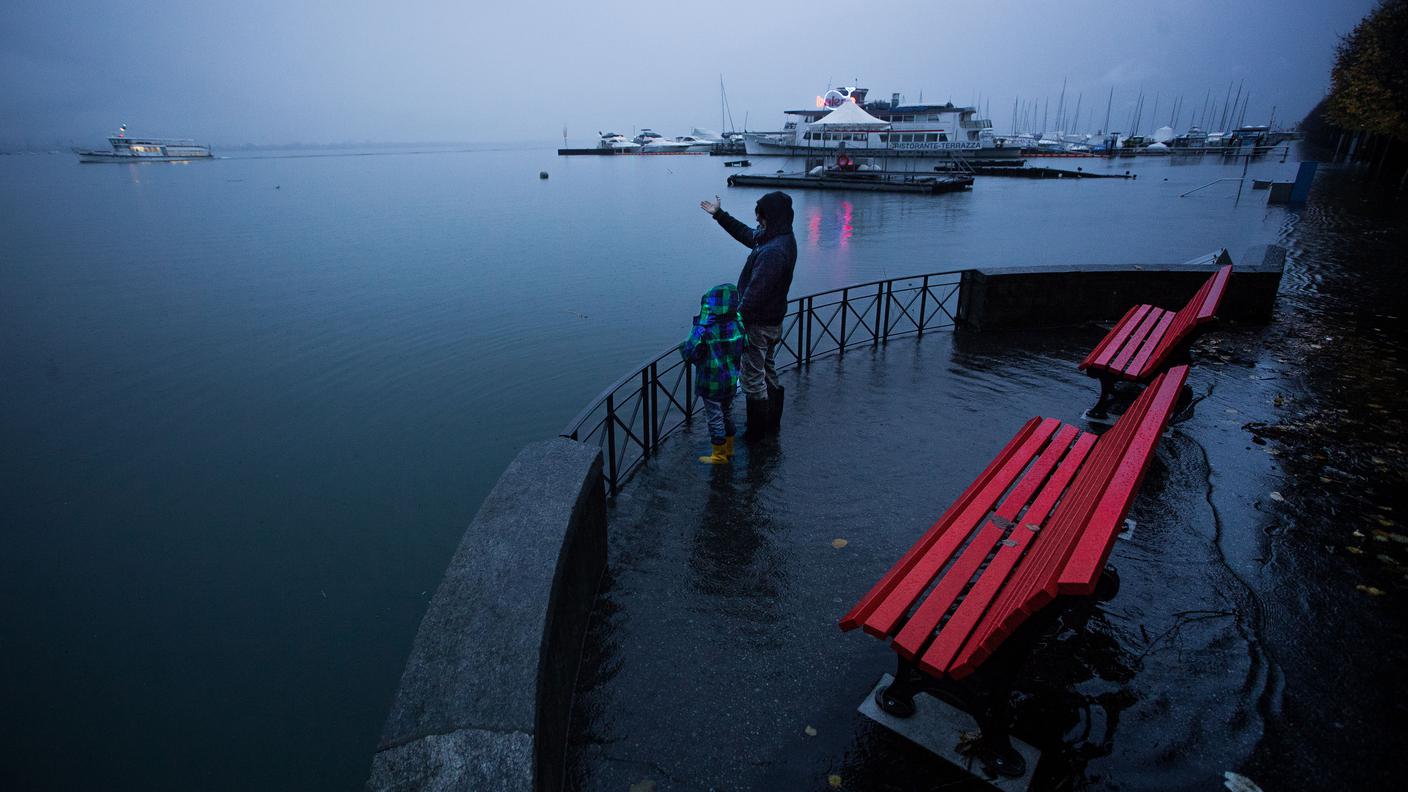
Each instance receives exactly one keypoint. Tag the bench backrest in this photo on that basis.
(1038, 522)
(1197, 312)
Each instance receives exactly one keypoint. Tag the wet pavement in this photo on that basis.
(1256, 630)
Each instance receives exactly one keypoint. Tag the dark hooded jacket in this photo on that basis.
(767, 275)
(716, 344)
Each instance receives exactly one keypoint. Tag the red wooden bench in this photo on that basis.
(1148, 338)
(1036, 525)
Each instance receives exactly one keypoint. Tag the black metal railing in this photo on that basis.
(631, 417)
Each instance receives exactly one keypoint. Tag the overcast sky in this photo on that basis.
(277, 71)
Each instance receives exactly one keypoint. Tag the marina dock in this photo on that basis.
(862, 182)
(1047, 173)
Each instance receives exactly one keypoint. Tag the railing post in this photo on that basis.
(654, 405)
(645, 413)
(923, 302)
(845, 309)
(879, 298)
(889, 295)
(688, 391)
(611, 440)
(809, 330)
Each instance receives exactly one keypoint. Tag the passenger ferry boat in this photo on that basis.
(918, 130)
(128, 149)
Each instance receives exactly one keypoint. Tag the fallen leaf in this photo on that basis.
(1390, 560)
(1354, 550)
(1370, 590)
(645, 785)
(839, 543)
(810, 731)
(1237, 782)
(1276, 496)
(834, 781)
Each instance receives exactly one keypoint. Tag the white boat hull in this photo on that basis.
(100, 156)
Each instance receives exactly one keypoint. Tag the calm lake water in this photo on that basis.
(249, 405)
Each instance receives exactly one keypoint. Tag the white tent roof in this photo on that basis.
(849, 115)
(1163, 134)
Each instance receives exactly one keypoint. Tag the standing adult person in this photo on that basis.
(763, 284)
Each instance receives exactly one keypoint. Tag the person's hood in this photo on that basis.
(776, 209)
(719, 303)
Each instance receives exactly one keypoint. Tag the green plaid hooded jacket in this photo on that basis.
(716, 345)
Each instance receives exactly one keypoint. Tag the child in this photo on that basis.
(715, 347)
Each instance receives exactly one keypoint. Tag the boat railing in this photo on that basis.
(157, 141)
(633, 416)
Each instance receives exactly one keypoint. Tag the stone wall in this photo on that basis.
(1033, 297)
(486, 695)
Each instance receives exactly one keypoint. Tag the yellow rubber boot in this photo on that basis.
(728, 446)
(718, 457)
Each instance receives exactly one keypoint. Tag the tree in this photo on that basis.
(1369, 81)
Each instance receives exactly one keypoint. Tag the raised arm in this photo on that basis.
(731, 224)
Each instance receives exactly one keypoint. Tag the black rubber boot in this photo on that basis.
(775, 407)
(758, 419)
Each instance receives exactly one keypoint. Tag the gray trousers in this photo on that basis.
(760, 361)
(719, 414)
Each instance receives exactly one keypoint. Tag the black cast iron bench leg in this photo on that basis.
(987, 698)
(1107, 395)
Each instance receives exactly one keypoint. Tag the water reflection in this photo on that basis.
(733, 559)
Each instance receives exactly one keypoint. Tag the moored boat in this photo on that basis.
(133, 149)
(915, 130)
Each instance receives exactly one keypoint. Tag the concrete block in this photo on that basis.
(939, 727)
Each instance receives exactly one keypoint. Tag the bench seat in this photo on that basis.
(1144, 341)
(1037, 524)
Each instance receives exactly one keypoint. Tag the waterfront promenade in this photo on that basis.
(713, 659)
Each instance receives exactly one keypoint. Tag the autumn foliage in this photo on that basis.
(1369, 81)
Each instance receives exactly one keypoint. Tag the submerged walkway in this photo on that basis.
(715, 662)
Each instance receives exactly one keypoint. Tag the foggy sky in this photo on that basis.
(273, 72)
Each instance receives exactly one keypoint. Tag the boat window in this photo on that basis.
(931, 138)
(942, 137)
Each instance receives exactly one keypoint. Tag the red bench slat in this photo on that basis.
(1110, 344)
(1138, 366)
(1218, 291)
(882, 590)
(921, 624)
(907, 589)
(970, 612)
(1152, 319)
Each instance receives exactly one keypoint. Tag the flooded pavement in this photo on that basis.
(1257, 628)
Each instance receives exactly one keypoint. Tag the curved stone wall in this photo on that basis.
(486, 695)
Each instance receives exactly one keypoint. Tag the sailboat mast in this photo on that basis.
(1108, 102)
